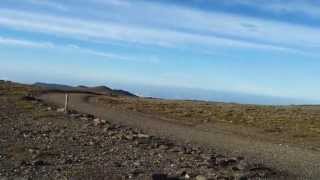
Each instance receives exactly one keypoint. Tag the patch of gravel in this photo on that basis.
(38, 142)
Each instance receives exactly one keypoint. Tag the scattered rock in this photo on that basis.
(143, 136)
(129, 137)
(137, 163)
(60, 110)
(56, 146)
(91, 143)
(96, 122)
(104, 121)
(184, 174)
(99, 122)
(84, 118)
(163, 147)
(200, 177)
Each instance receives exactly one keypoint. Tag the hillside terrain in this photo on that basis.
(291, 124)
(102, 90)
(108, 136)
(38, 141)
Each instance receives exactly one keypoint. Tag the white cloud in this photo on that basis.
(24, 43)
(201, 29)
(36, 44)
(112, 2)
(260, 31)
(48, 3)
(232, 26)
(309, 8)
(109, 55)
(99, 30)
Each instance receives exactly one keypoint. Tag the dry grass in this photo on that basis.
(298, 121)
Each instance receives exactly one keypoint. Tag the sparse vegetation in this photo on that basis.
(38, 142)
(291, 121)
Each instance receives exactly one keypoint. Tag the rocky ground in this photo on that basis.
(38, 141)
(293, 124)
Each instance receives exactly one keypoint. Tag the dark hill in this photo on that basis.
(98, 89)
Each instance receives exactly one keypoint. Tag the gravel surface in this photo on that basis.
(298, 162)
(38, 141)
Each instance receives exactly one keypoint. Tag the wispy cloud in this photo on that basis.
(112, 2)
(24, 43)
(223, 24)
(70, 47)
(108, 55)
(226, 24)
(145, 31)
(302, 7)
(48, 3)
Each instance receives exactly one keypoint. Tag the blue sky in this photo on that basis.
(262, 47)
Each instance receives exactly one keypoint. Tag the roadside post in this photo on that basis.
(66, 102)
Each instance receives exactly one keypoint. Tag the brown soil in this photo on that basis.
(297, 125)
(225, 138)
(151, 139)
(39, 142)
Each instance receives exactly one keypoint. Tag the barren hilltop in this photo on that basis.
(113, 134)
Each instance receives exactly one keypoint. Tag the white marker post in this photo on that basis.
(66, 103)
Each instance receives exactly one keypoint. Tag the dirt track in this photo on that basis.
(295, 160)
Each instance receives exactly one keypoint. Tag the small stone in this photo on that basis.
(84, 119)
(200, 177)
(96, 122)
(184, 174)
(60, 110)
(143, 136)
(177, 149)
(31, 151)
(206, 156)
(129, 137)
(137, 163)
(91, 143)
(163, 147)
(102, 121)
(75, 115)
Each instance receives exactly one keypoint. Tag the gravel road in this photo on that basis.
(299, 162)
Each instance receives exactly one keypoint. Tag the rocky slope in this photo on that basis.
(38, 141)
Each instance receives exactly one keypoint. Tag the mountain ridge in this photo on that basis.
(95, 89)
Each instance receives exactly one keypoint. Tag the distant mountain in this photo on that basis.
(54, 86)
(180, 93)
(98, 89)
(83, 86)
(101, 89)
